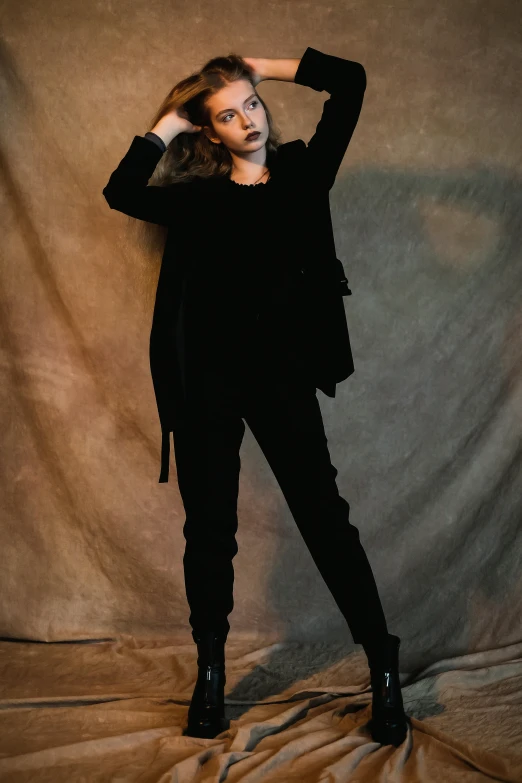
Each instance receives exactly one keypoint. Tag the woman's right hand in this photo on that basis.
(173, 123)
(179, 119)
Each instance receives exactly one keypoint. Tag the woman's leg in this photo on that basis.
(288, 427)
(207, 448)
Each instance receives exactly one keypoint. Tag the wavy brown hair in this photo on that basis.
(191, 155)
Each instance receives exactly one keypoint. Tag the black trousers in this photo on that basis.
(286, 421)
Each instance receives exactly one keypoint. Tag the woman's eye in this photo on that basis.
(228, 115)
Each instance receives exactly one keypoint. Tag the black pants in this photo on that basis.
(287, 423)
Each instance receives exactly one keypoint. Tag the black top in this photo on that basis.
(222, 324)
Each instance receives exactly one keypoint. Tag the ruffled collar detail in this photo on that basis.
(249, 185)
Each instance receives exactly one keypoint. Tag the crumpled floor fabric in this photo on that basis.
(114, 710)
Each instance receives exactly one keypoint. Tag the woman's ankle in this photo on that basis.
(377, 649)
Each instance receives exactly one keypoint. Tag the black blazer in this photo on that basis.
(301, 177)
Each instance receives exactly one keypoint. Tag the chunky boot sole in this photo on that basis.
(206, 716)
(389, 731)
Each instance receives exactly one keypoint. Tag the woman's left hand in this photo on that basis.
(256, 65)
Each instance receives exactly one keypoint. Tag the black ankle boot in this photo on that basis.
(389, 723)
(206, 716)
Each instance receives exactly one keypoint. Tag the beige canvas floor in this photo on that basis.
(115, 711)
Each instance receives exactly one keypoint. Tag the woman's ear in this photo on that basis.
(209, 133)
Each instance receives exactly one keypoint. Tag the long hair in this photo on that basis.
(191, 155)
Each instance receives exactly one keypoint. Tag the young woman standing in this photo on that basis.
(248, 323)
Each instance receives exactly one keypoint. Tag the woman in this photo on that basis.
(248, 323)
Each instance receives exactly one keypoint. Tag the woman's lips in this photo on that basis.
(253, 137)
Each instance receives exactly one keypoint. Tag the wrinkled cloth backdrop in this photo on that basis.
(97, 661)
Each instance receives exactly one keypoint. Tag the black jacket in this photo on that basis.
(301, 178)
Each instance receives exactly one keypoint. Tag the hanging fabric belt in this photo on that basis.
(165, 456)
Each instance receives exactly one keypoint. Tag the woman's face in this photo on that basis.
(236, 111)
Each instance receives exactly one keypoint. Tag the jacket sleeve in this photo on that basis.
(157, 140)
(127, 190)
(345, 80)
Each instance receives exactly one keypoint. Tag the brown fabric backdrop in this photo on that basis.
(426, 435)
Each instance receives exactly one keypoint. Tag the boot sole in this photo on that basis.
(206, 731)
(389, 733)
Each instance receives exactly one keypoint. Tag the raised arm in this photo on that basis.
(345, 80)
(127, 190)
